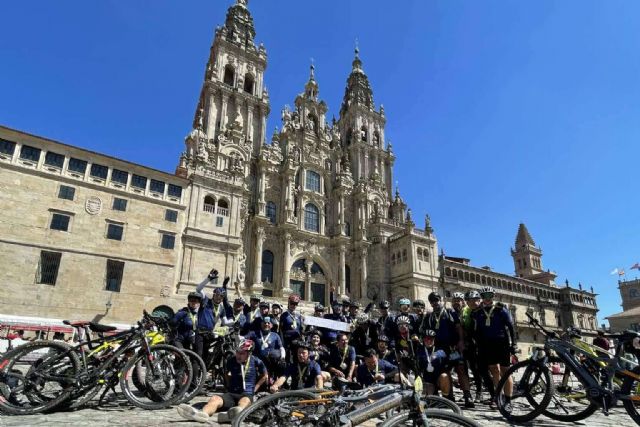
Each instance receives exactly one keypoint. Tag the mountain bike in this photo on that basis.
(595, 377)
(41, 375)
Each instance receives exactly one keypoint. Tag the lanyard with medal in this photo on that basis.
(194, 321)
(265, 340)
(374, 374)
(487, 322)
(343, 365)
(438, 319)
(243, 370)
(429, 356)
(301, 376)
(294, 324)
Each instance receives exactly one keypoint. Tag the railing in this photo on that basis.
(209, 208)
(223, 211)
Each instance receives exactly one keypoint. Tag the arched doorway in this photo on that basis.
(308, 279)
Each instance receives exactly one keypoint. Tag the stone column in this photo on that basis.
(363, 274)
(212, 115)
(342, 285)
(223, 114)
(249, 130)
(286, 284)
(257, 268)
(263, 127)
(307, 279)
(261, 188)
(341, 213)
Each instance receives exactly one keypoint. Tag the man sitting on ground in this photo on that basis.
(304, 373)
(376, 371)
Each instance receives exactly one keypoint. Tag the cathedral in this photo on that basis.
(308, 209)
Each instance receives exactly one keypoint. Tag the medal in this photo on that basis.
(430, 368)
(343, 365)
(429, 357)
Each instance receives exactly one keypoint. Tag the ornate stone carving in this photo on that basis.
(93, 205)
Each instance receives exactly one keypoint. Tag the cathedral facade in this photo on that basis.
(306, 209)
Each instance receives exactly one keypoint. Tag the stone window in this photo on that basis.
(157, 186)
(347, 228)
(271, 212)
(229, 75)
(219, 221)
(114, 231)
(267, 266)
(168, 241)
(30, 153)
(171, 215)
(633, 293)
(54, 159)
(404, 255)
(119, 176)
(77, 165)
(209, 204)
(313, 181)
(347, 279)
(248, 83)
(174, 191)
(393, 259)
(60, 222)
(223, 207)
(98, 171)
(363, 134)
(419, 254)
(139, 181)
(67, 193)
(7, 147)
(119, 204)
(311, 218)
(48, 267)
(115, 271)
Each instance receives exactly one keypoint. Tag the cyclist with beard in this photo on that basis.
(384, 353)
(304, 372)
(418, 316)
(376, 371)
(342, 358)
(450, 339)
(495, 335)
(291, 321)
(268, 346)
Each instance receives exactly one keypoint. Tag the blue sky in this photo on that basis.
(499, 111)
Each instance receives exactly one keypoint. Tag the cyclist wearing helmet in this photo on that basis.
(365, 334)
(383, 350)
(239, 319)
(256, 325)
(386, 323)
(185, 322)
(450, 339)
(495, 336)
(418, 315)
(375, 370)
(480, 373)
(276, 311)
(304, 372)
(405, 304)
(405, 343)
(319, 353)
(457, 302)
(329, 336)
(291, 321)
(245, 375)
(268, 347)
(433, 365)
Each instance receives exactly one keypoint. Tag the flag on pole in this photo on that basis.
(621, 273)
(636, 266)
(614, 271)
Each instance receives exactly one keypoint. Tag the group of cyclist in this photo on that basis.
(475, 334)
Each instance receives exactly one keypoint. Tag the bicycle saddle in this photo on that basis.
(96, 327)
(76, 323)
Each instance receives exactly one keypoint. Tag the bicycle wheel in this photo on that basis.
(199, 376)
(440, 403)
(271, 410)
(532, 389)
(569, 400)
(631, 387)
(37, 377)
(165, 375)
(435, 417)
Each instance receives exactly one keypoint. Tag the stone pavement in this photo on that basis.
(133, 417)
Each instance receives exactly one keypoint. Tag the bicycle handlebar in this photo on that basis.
(533, 321)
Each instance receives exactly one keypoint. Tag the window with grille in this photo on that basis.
(60, 222)
(171, 215)
(311, 218)
(49, 266)
(139, 181)
(119, 176)
(77, 165)
(115, 270)
(168, 241)
(119, 204)
(267, 266)
(54, 159)
(66, 192)
(174, 190)
(7, 147)
(157, 186)
(219, 221)
(313, 181)
(114, 231)
(271, 212)
(30, 153)
(99, 171)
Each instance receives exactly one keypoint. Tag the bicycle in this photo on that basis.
(533, 384)
(41, 375)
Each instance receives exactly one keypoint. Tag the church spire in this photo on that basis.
(311, 89)
(523, 237)
(239, 24)
(358, 90)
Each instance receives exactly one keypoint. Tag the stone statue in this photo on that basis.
(363, 135)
